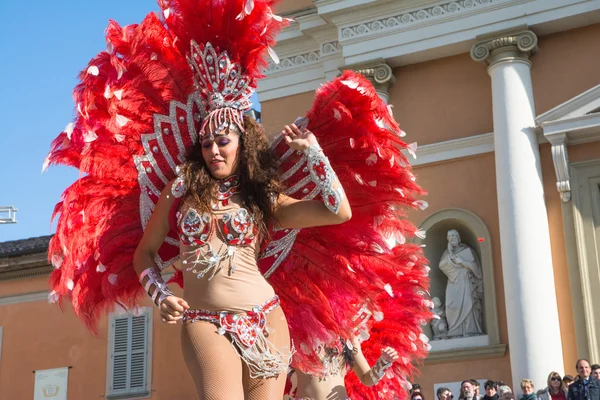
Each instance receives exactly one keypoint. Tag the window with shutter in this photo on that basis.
(129, 357)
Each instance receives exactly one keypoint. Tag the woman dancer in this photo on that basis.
(225, 198)
(340, 361)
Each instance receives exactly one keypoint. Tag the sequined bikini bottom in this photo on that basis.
(248, 334)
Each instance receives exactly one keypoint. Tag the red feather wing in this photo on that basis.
(325, 275)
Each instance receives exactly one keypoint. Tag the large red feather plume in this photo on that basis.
(126, 140)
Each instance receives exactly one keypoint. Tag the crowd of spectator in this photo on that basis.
(584, 386)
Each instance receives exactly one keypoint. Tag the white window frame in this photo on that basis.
(586, 218)
(119, 313)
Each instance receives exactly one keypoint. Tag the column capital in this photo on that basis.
(509, 45)
(379, 73)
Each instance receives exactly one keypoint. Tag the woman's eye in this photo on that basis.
(223, 142)
(207, 145)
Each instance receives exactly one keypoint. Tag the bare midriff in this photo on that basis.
(232, 291)
(315, 388)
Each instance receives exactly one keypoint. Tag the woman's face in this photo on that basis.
(527, 389)
(220, 153)
(555, 381)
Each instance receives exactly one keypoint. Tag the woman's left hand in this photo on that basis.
(389, 355)
(298, 139)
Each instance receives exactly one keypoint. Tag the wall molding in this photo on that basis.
(43, 294)
(24, 298)
(453, 149)
(491, 351)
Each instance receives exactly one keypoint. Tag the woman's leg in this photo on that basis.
(270, 388)
(213, 363)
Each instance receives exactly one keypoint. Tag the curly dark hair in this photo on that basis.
(258, 177)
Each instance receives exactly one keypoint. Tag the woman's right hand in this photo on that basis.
(389, 355)
(172, 309)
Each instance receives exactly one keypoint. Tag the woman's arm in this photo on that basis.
(371, 376)
(334, 209)
(155, 233)
(171, 307)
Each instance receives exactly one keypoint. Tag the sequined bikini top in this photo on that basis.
(234, 229)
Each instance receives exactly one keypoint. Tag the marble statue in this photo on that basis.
(464, 290)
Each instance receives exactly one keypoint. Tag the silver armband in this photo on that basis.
(378, 370)
(155, 286)
(324, 176)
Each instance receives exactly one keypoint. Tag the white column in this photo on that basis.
(533, 328)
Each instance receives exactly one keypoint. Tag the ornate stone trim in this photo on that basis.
(303, 59)
(560, 157)
(295, 61)
(412, 17)
(379, 73)
(330, 48)
(28, 273)
(513, 44)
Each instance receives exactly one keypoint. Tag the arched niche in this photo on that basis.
(474, 233)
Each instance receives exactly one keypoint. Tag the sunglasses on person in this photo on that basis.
(555, 378)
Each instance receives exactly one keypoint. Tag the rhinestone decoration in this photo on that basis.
(222, 86)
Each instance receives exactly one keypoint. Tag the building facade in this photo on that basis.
(503, 99)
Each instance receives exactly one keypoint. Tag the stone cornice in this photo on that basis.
(509, 45)
(578, 106)
(345, 32)
(409, 17)
(26, 266)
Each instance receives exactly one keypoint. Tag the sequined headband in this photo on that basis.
(224, 90)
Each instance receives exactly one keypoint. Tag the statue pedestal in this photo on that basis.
(464, 349)
(459, 343)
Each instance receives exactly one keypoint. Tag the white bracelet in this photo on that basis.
(160, 290)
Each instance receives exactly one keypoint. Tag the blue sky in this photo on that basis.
(43, 46)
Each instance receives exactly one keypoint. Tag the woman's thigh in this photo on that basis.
(212, 362)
